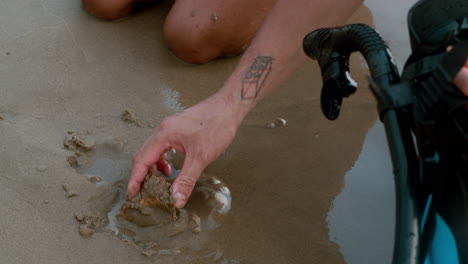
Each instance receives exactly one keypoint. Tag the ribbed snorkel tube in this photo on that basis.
(332, 48)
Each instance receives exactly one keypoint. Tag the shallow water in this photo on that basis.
(108, 161)
(362, 218)
(210, 201)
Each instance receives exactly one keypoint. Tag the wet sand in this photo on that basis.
(63, 70)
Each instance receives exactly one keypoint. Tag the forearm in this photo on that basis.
(276, 50)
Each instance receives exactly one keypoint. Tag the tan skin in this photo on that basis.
(203, 131)
(461, 81)
(198, 31)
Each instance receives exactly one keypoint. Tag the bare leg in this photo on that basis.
(109, 9)
(198, 31)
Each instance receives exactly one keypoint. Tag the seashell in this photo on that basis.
(280, 122)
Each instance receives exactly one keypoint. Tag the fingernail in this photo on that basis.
(180, 199)
(130, 191)
(129, 195)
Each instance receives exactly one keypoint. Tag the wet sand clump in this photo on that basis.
(130, 117)
(69, 191)
(94, 178)
(81, 147)
(154, 206)
(76, 141)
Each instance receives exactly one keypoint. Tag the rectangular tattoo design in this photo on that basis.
(255, 76)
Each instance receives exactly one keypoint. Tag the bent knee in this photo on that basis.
(105, 9)
(198, 43)
(189, 46)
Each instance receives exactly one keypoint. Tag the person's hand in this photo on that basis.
(201, 132)
(461, 80)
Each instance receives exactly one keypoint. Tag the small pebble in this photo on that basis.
(280, 122)
(85, 230)
(94, 179)
(46, 201)
(79, 217)
(173, 151)
(41, 168)
(66, 187)
(215, 181)
(71, 193)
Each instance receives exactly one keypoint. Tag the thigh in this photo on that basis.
(110, 9)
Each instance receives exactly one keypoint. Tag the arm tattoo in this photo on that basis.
(254, 78)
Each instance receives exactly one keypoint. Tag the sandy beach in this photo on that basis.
(64, 71)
